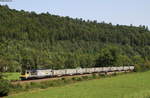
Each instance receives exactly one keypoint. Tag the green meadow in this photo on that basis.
(134, 85)
(12, 76)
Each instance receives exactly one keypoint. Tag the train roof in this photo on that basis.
(38, 69)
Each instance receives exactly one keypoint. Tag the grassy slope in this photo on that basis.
(12, 76)
(124, 86)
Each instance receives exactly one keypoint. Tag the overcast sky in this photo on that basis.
(126, 12)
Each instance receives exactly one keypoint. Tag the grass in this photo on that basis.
(142, 94)
(12, 76)
(134, 85)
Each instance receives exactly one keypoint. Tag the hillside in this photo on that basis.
(29, 40)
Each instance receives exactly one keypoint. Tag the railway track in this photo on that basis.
(59, 77)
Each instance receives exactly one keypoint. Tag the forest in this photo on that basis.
(39, 41)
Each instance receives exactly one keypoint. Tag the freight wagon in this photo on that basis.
(42, 73)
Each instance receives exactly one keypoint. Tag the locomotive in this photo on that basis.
(42, 73)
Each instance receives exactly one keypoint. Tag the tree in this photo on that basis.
(108, 56)
(4, 87)
(51, 41)
(138, 63)
(123, 60)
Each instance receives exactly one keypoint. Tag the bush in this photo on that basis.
(85, 77)
(27, 87)
(43, 86)
(51, 84)
(63, 79)
(79, 79)
(94, 75)
(138, 68)
(102, 75)
(114, 74)
(17, 87)
(4, 87)
(73, 78)
(147, 65)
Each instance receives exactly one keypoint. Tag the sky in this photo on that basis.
(124, 12)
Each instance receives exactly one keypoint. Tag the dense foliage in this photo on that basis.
(29, 40)
(4, 87)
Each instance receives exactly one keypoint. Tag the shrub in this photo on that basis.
(43, 86)
(79, 79)
(137, 68)
(94, 75)
(85, 77)
(114, 74)
(73, 78)
(102, 75)
(147, 65)
(34, 85)
(51, 84)
(27, 86)
(16, 87)
(4, 87)
(63, 79)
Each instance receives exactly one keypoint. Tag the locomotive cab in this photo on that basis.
(24, 75)
(35, 74)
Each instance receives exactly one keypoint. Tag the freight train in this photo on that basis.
(42, 73)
